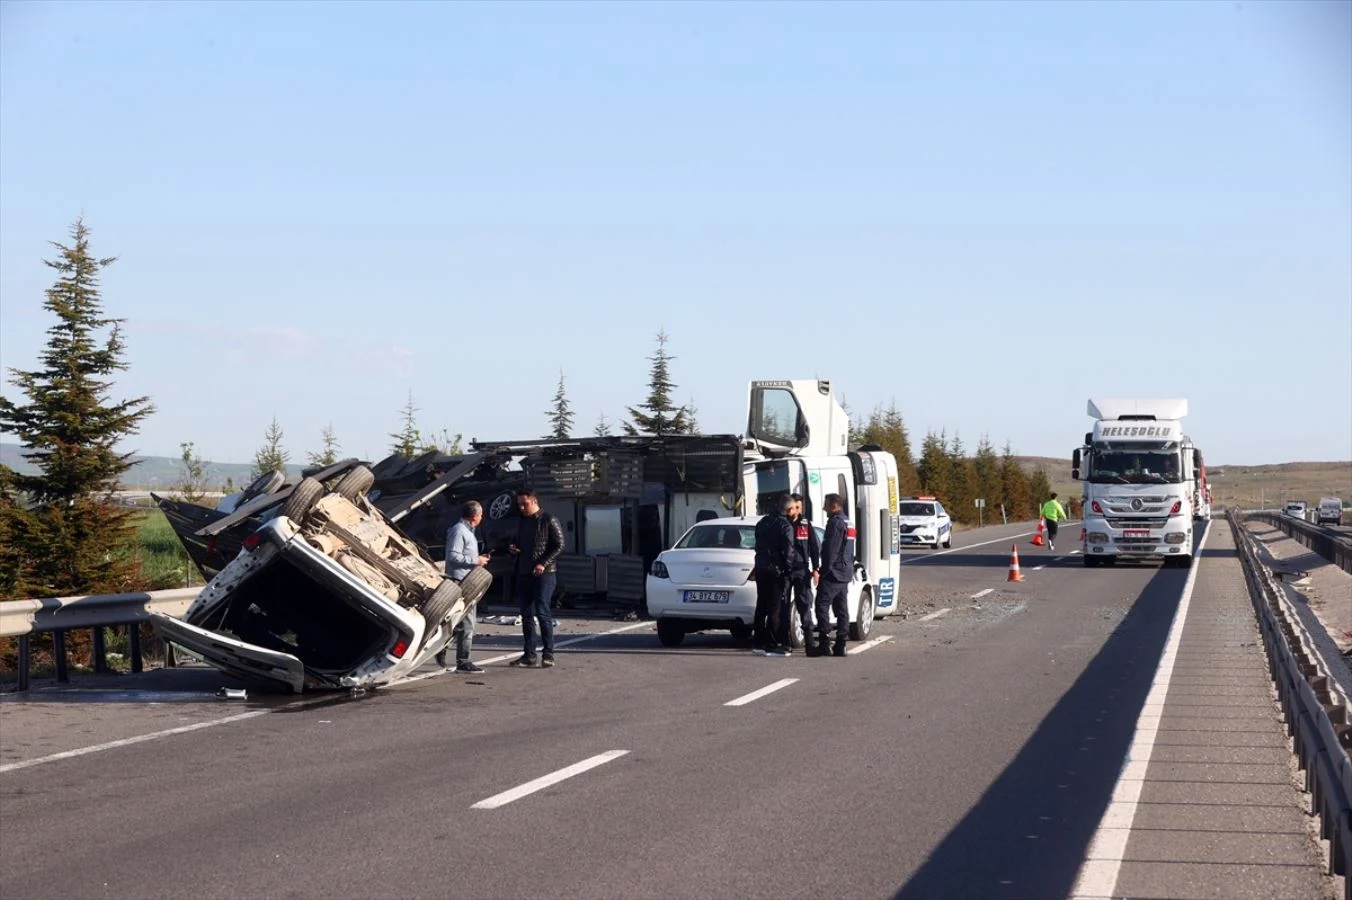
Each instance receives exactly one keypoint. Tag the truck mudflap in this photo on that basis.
(232, 656)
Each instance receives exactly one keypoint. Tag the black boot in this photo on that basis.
(839, 648)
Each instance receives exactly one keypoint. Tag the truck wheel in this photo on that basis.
(303, 499)
(438, 606)
(354, 484)
(670, 633)
(860, 630)
(474, 585)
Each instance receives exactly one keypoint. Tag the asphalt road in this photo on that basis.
(971, 754)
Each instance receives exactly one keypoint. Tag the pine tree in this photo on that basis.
(661, 417)
(602, 428)
(270, 457)
(986, 469)
(71, 539)
(1040, 486)
(328, 454)
(934, 469)
(691, 417)
(1013, 486)
(560, 415)
(192, 487)
(962, 482)
(408, 439)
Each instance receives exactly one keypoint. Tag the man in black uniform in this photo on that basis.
(806, 562)
(836, 573)
(774, 547)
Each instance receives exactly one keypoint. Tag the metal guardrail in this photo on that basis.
(1317, 712)
(1328, 544)
(24, 618)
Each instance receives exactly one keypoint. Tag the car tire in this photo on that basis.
(438, 606)
(261, 486)
(796, 638)
(355, 483)
(948, 541)
(860, 630)
(303, 499)
(474, 585)
(670, 633)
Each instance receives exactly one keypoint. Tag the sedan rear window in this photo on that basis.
(730, 537)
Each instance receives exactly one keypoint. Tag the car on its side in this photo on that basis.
(705, 582)
(923, 520)
(325, 593)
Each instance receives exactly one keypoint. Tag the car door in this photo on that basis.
(233, 656)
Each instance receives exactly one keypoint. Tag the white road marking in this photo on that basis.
(934, 615)
(1076, 552)
(295, 704)
(509, 656)
(756, 695)
(1039, 568)
(545, 781)
(1011, 537)
(868, 645)
(979, 594)
(1098, 874)
(142, 738)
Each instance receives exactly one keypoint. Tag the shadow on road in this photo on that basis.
(1027, 835)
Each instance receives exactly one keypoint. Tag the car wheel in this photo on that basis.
(263, 485)
(474, 585)
(860, 630)
(438, 606)
(948, 541)
(796, 639)
(303, 499)
(670, 633)
(354, 483)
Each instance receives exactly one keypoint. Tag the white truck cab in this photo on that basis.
(1139, 489)
(797, 442)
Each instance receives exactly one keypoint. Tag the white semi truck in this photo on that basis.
(1140, 482)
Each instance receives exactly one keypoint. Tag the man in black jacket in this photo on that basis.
(774, 547)
(539, 542)
(805, 566)
(837, 571)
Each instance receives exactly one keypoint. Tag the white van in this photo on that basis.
(1330, 511)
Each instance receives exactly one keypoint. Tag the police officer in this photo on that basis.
(806, 562)
(836, 572)
(774, 547)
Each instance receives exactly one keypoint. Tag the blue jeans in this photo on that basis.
(533, 593)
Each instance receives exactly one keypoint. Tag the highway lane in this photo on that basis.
(970, 755)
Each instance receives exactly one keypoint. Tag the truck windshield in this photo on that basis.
(1114, 466)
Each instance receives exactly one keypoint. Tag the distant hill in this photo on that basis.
(152, 472)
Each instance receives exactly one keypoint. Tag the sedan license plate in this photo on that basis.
(708, 596)
(1136, 532)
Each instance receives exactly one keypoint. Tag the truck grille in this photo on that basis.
(1119, 522)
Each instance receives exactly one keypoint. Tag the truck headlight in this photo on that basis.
(1095, 537)
(1175, 537)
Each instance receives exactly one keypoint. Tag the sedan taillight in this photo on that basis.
(659, 569)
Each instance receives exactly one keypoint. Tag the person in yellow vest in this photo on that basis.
(1053, 512)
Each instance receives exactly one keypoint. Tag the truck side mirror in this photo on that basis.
(1075, 460)
(1075, 474)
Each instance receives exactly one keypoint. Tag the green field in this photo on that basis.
(164, 562)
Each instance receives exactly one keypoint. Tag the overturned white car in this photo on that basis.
(326, 593)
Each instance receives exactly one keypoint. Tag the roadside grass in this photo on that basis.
(164, 562)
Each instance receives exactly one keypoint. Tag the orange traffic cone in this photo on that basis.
(1014, 573)
(1038, 540)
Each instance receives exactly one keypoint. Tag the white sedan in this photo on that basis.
(704, 583)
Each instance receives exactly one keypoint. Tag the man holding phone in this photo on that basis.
(462, 557)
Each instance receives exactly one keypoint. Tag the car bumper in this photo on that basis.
(667, 600)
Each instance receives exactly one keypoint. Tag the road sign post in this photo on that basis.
(980, 513)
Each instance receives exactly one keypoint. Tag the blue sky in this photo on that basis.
(988, 212)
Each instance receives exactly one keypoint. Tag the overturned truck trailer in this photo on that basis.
(620, 501)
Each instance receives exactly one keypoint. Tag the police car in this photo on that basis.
(923, 520)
